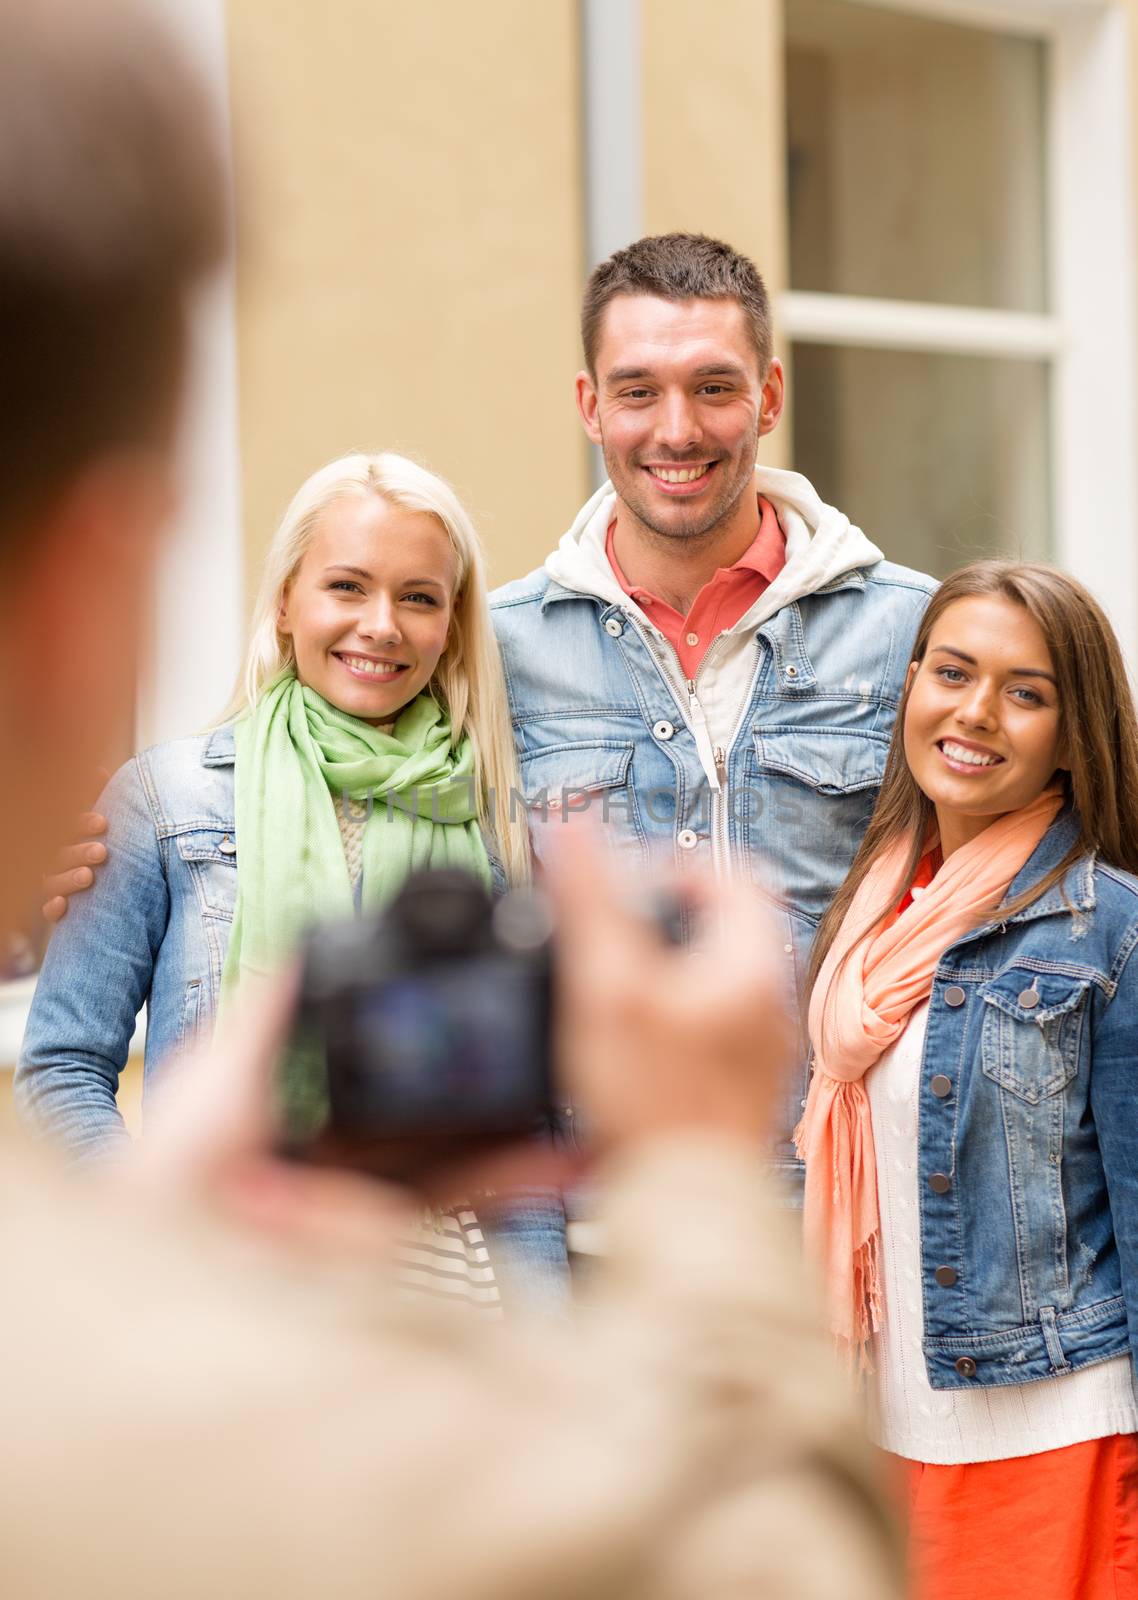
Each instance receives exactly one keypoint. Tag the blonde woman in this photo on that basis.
(370, 736)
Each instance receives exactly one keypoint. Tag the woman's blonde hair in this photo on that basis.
(1097, 729)
(468, 681)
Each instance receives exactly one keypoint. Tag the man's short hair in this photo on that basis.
(678, 266)
(112, 205)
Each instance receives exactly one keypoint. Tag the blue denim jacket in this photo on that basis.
(595, 716)
(154, 931)
(1028, 1143)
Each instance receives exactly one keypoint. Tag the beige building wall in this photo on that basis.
(714, 136)
(409, 274)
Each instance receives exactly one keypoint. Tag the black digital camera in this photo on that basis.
(422, 1033)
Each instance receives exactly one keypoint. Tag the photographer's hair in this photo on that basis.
(112, 207)
(1097, 727)
(468, 682)
(678, 266)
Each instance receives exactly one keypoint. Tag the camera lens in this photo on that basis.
(442, 912)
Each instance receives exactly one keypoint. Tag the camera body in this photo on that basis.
(423, 1031)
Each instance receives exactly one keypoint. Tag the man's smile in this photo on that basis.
(688, 478)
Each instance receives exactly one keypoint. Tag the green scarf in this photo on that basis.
(297, 757)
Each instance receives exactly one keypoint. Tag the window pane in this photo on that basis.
(941, 459)
(916, 157)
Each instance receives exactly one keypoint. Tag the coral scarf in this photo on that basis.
(859, 1007)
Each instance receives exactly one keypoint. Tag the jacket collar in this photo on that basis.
(855, 579)
(1073, 894)
(220, 747)
(1075, 890)
(555, 591)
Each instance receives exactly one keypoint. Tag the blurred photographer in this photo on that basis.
(213, 1391)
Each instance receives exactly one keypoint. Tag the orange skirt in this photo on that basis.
(1060, 1525)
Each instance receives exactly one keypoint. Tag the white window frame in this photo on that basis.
(1089, 335)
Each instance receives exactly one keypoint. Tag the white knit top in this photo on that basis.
(945, 1426)
(446, 1255)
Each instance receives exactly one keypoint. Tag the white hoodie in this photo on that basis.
(821, 544)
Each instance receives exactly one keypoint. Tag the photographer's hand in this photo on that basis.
(655, 1039)
(210, 1137)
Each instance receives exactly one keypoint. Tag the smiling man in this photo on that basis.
(711, 658)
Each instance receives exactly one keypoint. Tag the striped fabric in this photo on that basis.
(446, 1257)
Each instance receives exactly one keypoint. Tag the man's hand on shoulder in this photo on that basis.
(75, 866)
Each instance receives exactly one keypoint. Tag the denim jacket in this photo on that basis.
(600, 723)
(154, 931)
(1028, 1142)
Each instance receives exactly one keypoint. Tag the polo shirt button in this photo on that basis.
(614, 627)
(691, 638)
(941, 1086)
(965, 1366)
(662, 730)
(954, 995)
(940, 1183)
(945, 1276)
(687, 840)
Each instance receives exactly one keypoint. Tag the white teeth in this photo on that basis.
(378, 669)
(678, 474)
(970, 758)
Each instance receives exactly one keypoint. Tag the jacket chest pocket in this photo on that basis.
(809, 794)
(210, 857)
(562, 781)
(1032, 1031)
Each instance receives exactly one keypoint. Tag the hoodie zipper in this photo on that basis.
(712, 758)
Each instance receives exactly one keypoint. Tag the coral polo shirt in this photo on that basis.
(724, 598)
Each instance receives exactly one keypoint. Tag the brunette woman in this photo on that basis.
(971, 1132)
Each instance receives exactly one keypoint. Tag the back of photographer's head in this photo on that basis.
(112, 208)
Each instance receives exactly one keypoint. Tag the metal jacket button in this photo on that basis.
(662, 730)
(1029, 999)
(945, 1276)
(965, 1366)
(791, 671)
(954, 996)
(614, 627)
(941, 1086)
(940, 1183)
(687, 840)
(227, 847)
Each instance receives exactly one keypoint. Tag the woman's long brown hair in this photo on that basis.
(1097, 727)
